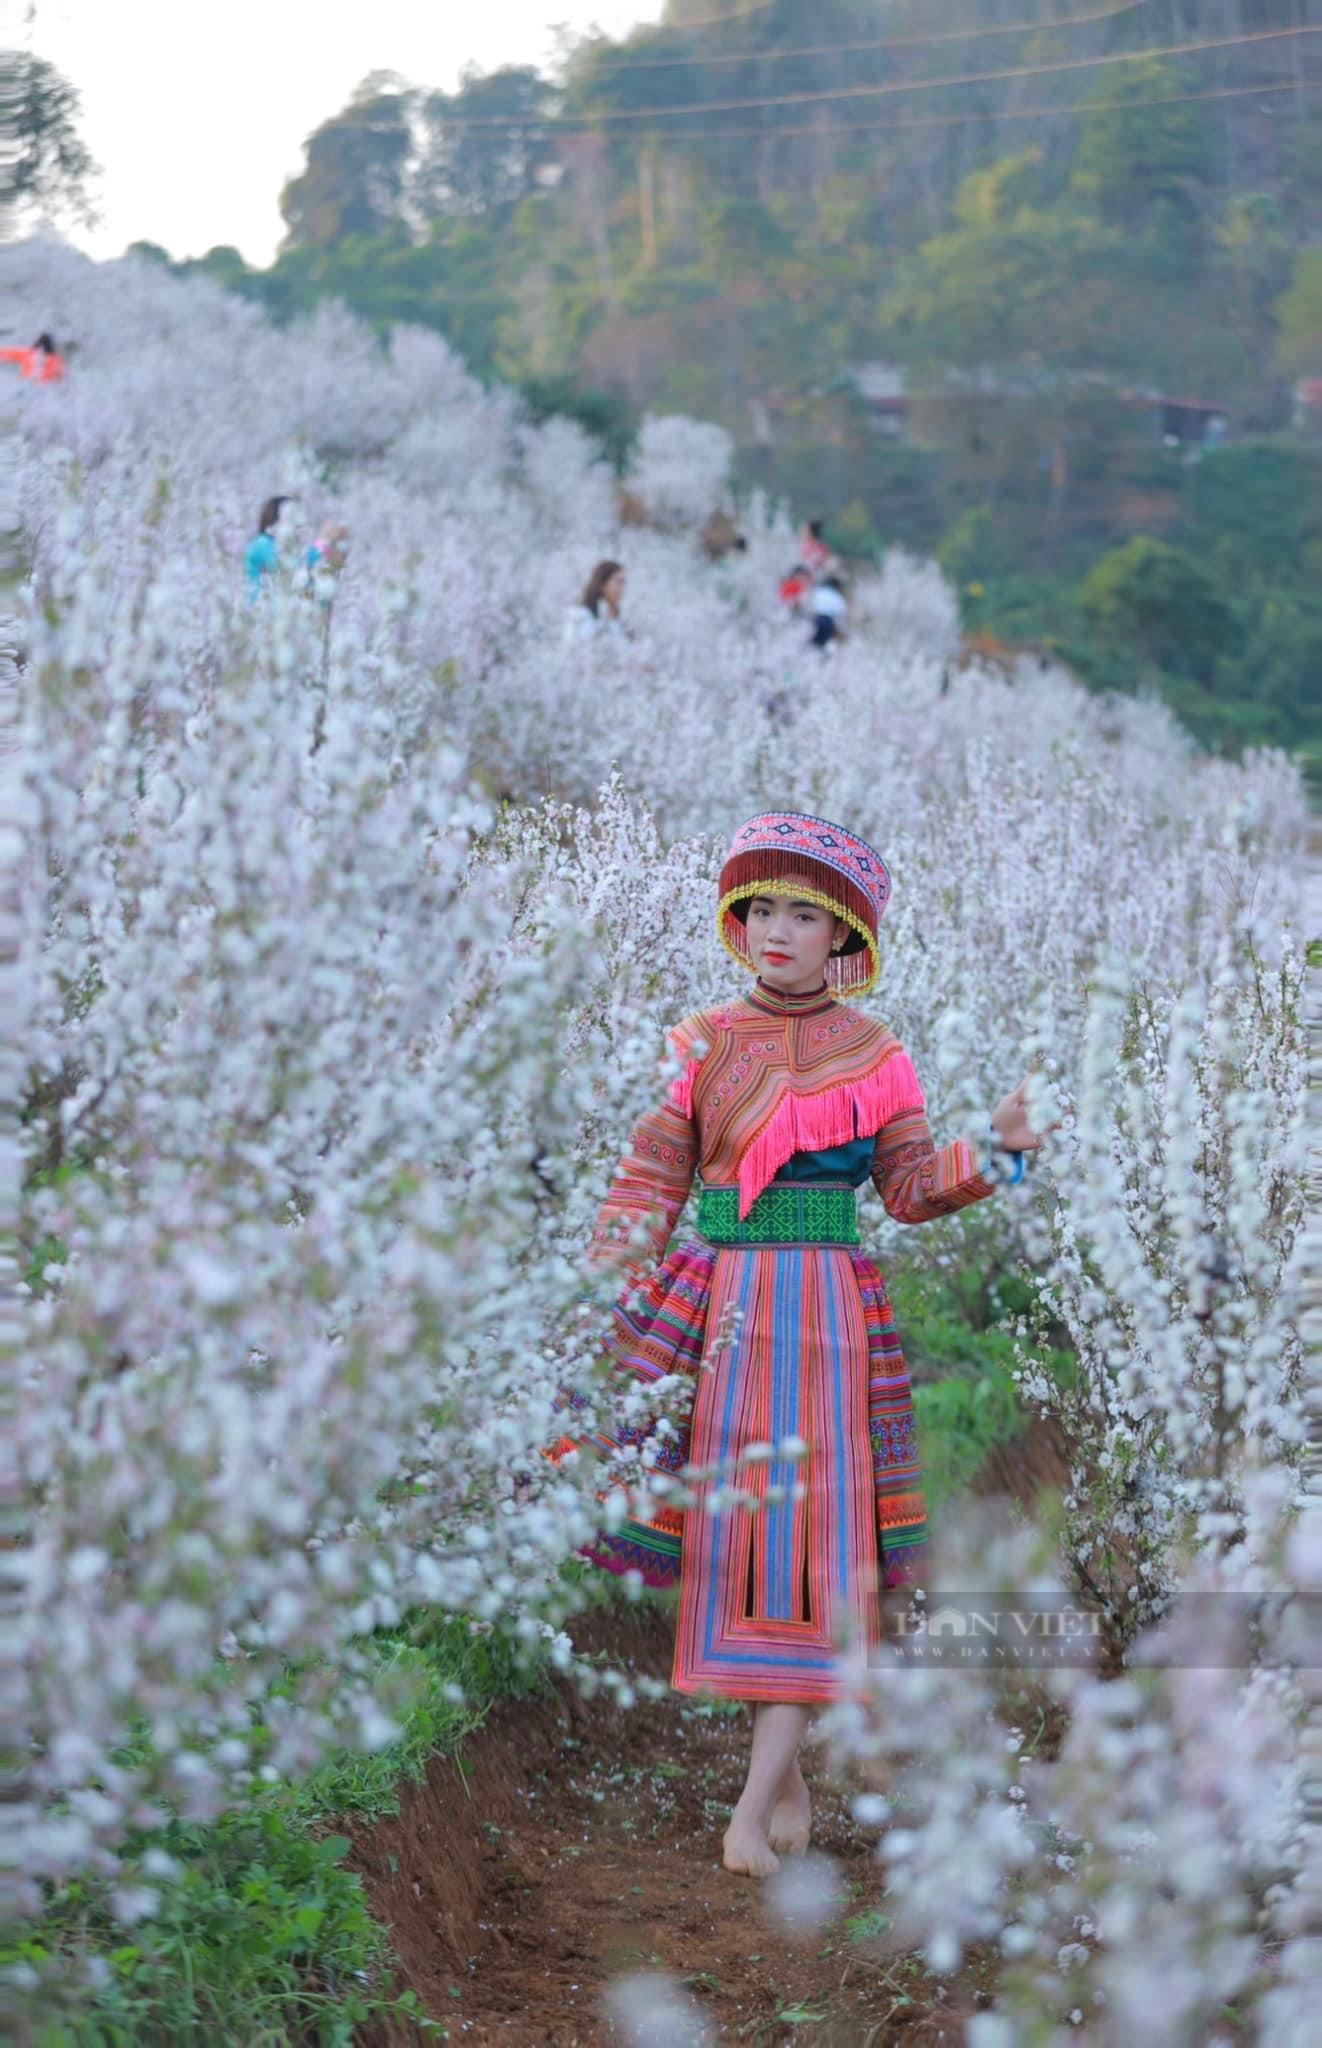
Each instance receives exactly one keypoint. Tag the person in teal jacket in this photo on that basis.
(261, 556)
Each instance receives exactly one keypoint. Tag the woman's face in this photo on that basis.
(791, 940)
(613, 590)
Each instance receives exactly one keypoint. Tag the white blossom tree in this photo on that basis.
(354, 912)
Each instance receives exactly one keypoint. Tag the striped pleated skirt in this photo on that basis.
(792, 1346)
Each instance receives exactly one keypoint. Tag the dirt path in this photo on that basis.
(583, 1844)
(580, 1844)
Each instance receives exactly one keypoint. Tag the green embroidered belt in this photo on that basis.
(787, 1212)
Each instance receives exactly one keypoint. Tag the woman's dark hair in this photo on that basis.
(833, 583)
(44, 341)
(815, 528)
(270, 514)
(595, 587)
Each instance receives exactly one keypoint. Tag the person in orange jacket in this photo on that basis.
(40, 364)
(794, 588)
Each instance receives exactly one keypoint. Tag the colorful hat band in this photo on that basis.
(770, 851)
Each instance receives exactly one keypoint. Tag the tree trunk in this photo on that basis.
(647, 208)
(1060, 472)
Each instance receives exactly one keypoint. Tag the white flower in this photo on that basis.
(339, 1049)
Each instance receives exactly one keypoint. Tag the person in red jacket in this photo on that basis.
(40, 364)
(794, 588)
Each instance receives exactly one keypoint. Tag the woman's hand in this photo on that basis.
(1010, 1121)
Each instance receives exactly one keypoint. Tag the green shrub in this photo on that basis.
(1253, 510)
(960, 1422)
(962, 1358)
(1163, 602)
(977, 549)
(852, 534)
(608, 418)
(261, 1938)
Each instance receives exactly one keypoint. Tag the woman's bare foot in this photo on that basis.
(790, 1826)
(779, 1726)
(746, 1848)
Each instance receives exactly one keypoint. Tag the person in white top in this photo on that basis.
(829, 611)
(597, 612)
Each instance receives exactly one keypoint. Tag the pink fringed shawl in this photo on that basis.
(771, 1084)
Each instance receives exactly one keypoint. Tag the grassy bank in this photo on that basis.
(261, 1936)
(962, 1359)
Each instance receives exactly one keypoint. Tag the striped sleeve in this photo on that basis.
(650, 1188)
(916, 1181)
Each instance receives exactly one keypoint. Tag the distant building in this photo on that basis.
(1182, 422)
(1178, 422)
(883, 390)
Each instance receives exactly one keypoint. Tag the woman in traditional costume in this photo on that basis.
(788, 1100)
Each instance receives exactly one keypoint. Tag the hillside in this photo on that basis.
(924, 304)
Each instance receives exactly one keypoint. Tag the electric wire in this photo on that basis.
(1175, 99)
(592, 123)
(626, 62)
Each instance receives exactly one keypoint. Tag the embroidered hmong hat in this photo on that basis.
(851, 880)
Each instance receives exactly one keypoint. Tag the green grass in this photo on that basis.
(962, 1361)
(262, 1937)
(420, 1676)
(959, 1423)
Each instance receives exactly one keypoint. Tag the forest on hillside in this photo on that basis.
(1026, 284)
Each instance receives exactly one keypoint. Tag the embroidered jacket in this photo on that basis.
(765, 1078)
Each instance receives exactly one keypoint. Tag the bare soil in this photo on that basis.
(579, 1843)
(582, 1843)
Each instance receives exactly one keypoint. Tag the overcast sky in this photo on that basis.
(197, 110)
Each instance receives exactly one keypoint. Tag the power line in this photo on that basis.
(896, 86)
(1175, 99)
(625, 62)
(591, 124)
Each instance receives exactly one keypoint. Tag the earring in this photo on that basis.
(839, 946)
